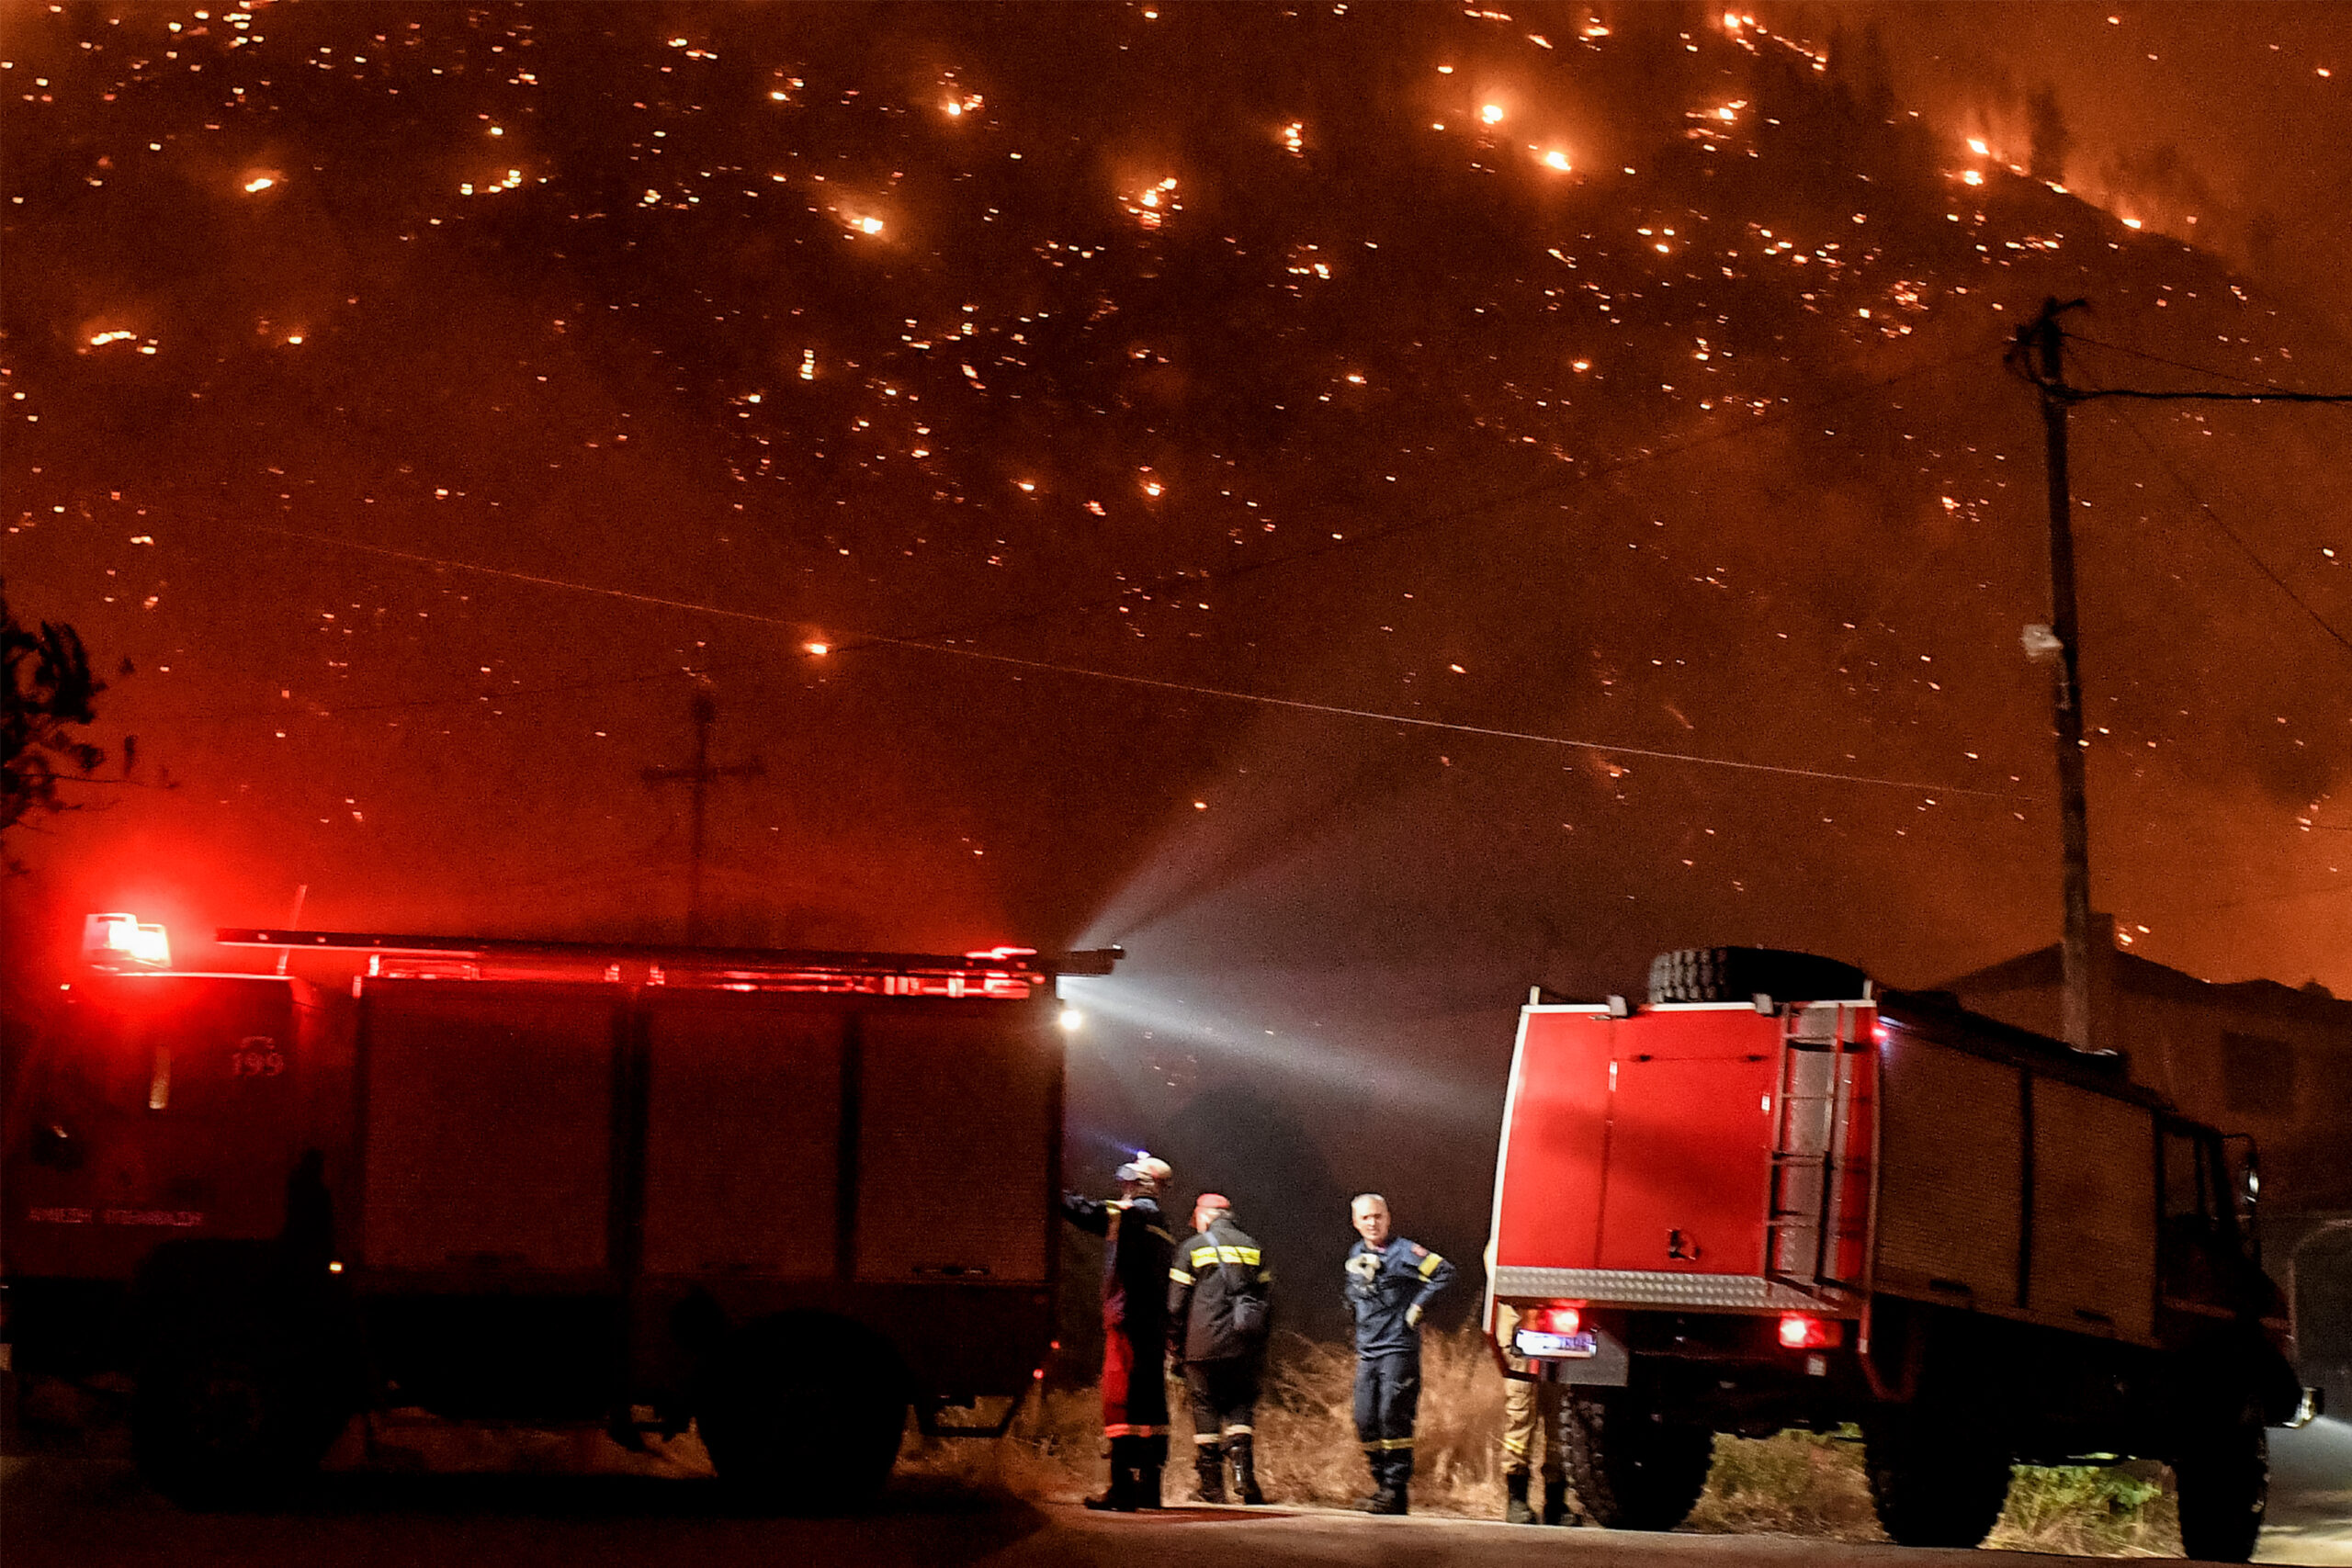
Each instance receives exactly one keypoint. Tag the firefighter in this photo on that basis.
(1136, 1259)
(1531, 1402)
(1390, 1283)
(1218, 1323)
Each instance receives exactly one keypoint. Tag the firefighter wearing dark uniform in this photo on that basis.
(1217, 1332)
(1390, 1283)
(1136, 1259)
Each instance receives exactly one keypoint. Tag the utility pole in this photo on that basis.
(698, 776)
(2038, 354)
(2041, 343)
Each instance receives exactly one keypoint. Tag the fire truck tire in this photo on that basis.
(216, 1423)
(1634, 1469)
(2223, 1484)
(1935, 1479)
(1737, 974)
(803, 1411)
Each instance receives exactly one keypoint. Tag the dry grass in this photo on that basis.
(1796, 1482)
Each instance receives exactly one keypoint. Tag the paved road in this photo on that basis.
(85, 1508)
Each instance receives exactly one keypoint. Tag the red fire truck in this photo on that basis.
(1776, 1198)
(785, 1197)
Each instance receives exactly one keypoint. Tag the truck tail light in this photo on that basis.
(1559, 1317)
(1799, 1332)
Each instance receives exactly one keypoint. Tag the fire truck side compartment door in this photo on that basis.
(1951, 1179)
(742, 1140)
(958, 1128)
(2094, 1258)
(488, 1139)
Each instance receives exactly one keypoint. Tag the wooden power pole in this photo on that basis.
(2041, 343)
(698, 775)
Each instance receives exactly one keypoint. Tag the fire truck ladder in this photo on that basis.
(1812, 1165)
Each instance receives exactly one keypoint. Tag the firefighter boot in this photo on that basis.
(1209, 1462)
(1147, 1492)
(1119, 1497)
(1394, 1479)
(1516, 1511)
(1245, 1470)
(1556, 1501)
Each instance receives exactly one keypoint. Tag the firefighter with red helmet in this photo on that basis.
(1217, 1324)
(1136, 1257)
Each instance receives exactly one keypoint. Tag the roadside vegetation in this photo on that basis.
(1797, 1482)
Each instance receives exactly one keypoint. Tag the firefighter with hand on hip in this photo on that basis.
(1390, 1283)
(1217, 1332)
(1136, 1257)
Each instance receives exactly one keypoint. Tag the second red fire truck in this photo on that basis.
(1774, 1197)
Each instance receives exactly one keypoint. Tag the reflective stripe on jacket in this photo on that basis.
(1218, 1290)
(1385, 1284)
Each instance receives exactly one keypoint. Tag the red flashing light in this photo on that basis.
(121, 941)
(1799, 1332)
(1001, 954)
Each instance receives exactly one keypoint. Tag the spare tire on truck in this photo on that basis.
(1738, 973)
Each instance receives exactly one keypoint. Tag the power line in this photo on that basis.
(1304, 706)
(2230, 534)
(2181, 365)
(878, 639)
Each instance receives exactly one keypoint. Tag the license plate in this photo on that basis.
(1532, 1343)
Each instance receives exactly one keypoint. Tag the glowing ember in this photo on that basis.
(1555, 159)
(1977, 146)
(105, 338)
(1491, 114)
(258, 183)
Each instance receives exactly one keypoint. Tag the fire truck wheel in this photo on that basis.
(2224, 1483)
(1632, 1468)
(214, 1425)
(1936, 1479)
(1737, 974)
(804, 1412)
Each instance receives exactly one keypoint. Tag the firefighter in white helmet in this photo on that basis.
(1135, 1328)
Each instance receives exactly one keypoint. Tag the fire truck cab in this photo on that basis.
(1813, 1203)
(633, 1188)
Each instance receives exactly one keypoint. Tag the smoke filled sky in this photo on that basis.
(1370, 506)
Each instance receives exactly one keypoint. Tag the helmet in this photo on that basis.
(1145, 1170)
(1212, 1201)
